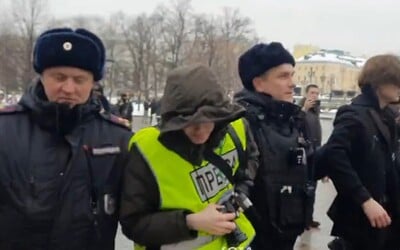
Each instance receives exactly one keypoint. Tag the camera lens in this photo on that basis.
(235, 238)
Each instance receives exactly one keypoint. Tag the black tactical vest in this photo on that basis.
(282, 183)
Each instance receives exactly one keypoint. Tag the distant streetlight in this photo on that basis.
(331, 83)
(323, 78)
(311, 74)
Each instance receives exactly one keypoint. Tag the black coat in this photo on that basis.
(107, 106)
(359, 158)
(45, 176)
(125, 110)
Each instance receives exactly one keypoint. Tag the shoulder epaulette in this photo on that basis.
(11, 109)
(116, 120)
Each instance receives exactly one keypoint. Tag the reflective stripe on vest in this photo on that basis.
(192, 187)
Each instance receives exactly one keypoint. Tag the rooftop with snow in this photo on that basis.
(332, 56)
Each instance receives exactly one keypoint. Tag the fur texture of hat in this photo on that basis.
(78, 48)
(259, 59)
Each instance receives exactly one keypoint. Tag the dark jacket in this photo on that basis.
(277, 127)
(46, 153)
(359, 157)
(185, 101)
(107, 106)
(155, 106)
(126, 109)
(313, 124)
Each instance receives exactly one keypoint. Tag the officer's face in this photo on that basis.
(67, 85)
(199, 133)
(277, 82)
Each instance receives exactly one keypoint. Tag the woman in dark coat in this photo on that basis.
(361, 161)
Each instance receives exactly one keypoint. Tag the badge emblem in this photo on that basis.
(67, 46)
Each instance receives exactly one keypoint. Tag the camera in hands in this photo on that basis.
(234, 202)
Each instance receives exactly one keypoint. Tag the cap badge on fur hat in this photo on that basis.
(67, 46)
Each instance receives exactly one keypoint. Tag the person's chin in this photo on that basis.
(395, 101)
(289, 99)
(69, 104)
(199, 141)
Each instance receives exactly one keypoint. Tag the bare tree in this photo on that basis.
(29, 16)
(116, 75)
(205, 42)
(235, 27)
(218, 41)
(140, 49)
(9, 67)
(237, 33)
(176, 28)
(157, 55)
(132, 32)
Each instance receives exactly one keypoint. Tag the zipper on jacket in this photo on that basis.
(32, 186)
(94, 203)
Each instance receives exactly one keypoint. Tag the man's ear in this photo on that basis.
(257, 83)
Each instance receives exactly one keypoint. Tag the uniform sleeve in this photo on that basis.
(140, 216)
(245, 175)
(337, 155)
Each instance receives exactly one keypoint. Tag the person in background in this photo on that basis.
(147, 108)
(2, 99)
(108, 108)
(98, 91)
(154, 110)
(125, 107)
(311, 106)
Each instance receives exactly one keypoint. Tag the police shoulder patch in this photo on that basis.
(11, 109)
(116, 120)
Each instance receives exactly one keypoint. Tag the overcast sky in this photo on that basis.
(358, 26)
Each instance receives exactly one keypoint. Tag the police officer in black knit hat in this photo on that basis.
(281, 192)
(60, 177)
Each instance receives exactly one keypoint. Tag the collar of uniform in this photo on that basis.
(55, 117)
(277, 110)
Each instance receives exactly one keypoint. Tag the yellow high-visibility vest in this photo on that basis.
(185, 186)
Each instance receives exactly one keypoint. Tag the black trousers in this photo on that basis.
(379, 239)
(271, 242)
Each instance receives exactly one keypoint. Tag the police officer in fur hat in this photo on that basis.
(60, 179)
(281, 191)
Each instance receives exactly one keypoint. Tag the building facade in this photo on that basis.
(334, 71)
(300, 50)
